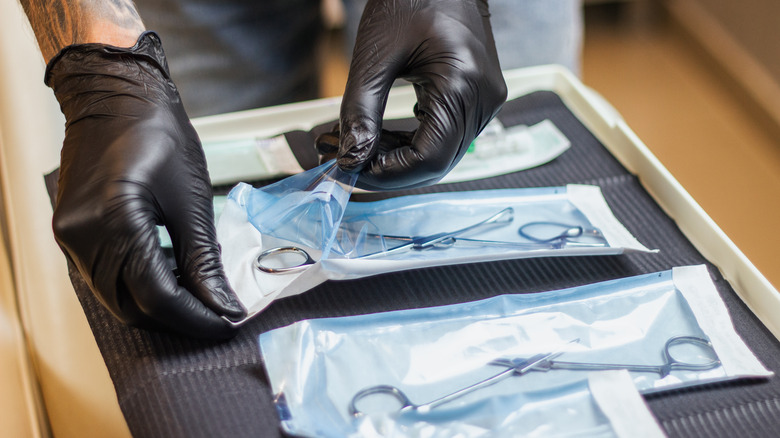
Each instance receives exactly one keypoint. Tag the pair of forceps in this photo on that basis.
(670, 363)
(545, 362)
(501, 218)
(518, 368)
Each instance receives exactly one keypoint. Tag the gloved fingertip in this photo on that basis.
(348, 165)
(223, 300)
(356, 150)
(327, 143)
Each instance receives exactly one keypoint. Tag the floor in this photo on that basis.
(685, 113)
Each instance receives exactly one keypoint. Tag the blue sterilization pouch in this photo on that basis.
(319, 368)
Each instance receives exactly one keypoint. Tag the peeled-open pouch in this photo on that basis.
(286, 238)
(511, 365)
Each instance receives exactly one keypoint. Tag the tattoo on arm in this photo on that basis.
(58, 23)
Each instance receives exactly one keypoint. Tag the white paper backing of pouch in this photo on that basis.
(713, 317)
(621, 403)
(590, 201)
(241, 243)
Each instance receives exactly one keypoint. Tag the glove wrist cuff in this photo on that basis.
(148, 46)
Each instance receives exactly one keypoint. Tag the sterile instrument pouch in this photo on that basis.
(285, 238)
(497, 150)
(512, 365)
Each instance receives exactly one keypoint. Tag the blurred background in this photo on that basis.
(699, 82)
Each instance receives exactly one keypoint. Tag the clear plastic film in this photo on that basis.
(306, 208)
(508, 366)
(286, 238)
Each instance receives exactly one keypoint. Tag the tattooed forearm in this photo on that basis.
(58, 23)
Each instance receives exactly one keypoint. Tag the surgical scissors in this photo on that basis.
(452, 238)
(545, 362)
(279, 251)
(503, 217)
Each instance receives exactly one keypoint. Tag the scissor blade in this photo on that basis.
(391, 237)
(536, 360)
(502, 218)
(479, 243)
(386, 252)
(406, 244)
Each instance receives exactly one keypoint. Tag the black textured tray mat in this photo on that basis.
(178, 387)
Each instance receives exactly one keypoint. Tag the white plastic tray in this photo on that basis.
(600, 118)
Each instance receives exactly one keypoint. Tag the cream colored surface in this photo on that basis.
(78, 395)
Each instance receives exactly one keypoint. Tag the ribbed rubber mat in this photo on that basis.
(173, 386)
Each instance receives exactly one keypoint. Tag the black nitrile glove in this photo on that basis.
(446, 49)
(131, 160)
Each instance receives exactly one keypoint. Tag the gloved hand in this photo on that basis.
(131, 160)
(446, 49)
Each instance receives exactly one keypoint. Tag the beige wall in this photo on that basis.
(754, 24)
(39, 311)
(20, 413)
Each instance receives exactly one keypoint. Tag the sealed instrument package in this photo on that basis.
(499, 364)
